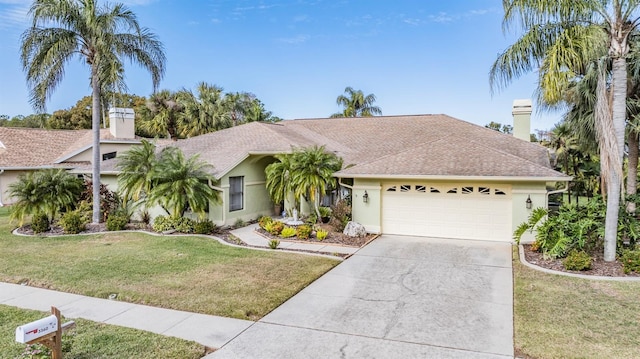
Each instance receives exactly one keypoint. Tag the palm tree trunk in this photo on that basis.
(614, 184)
(95, 125)
(632, 173)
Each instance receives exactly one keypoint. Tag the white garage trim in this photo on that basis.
(480, 211)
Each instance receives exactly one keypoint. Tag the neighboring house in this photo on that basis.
(428, 175)
(29, 149)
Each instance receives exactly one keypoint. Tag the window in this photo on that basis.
(405, 188)
(108, 156)
(236, 187)
(434, 190)
(422, 189)
(467, 190)
(453, 190)
(484, 190)
(499, 192)
(391, 189)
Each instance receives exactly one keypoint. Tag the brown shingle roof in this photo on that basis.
(33, 147)
(421, 145)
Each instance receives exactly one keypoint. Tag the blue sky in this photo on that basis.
(297, 56)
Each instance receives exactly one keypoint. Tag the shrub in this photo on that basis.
(288, 232)
(303, 231)
(275, 227)
(321, 234)
(274, 243)
(324, 211)
(117, 221)
(239, 223)
(577, 260)
(162, 224)
(145, 217)
(184, 224)
(535, 246)
(204, 227)
(262, 221)
(40, 223)
(340, 215)
(73, 222)
(631, 261)
(311, 219)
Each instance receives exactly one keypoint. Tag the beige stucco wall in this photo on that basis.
(256, 198)
(87, 154)
(520, 193)
(6, 179)
(368, 214)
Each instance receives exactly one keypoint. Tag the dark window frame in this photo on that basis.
(236, 193)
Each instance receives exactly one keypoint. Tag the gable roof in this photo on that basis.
(419, 146)
(39, 148)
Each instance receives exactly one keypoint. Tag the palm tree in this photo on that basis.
(279, 178)
(203, 113)
(181, 183)
(561, 37)
(161, 115)
(100, 35)
(44, 192)
(135, 180)
(312, 173)
(356, 104)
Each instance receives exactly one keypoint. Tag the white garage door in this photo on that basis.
(447, 210)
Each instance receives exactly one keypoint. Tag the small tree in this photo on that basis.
(44, 192)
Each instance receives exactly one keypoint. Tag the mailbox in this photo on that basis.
(34, 330)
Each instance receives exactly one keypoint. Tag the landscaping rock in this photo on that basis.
(354, 229)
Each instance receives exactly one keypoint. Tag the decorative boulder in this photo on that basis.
(354, 229)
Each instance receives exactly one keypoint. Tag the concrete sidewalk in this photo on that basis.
(249, 236)
(208, 330)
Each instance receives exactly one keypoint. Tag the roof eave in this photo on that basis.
(459, 178)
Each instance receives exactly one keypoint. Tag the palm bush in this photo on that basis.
(44, 192)
(73, 222)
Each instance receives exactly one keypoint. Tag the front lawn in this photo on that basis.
(96, 340)
(194, 274)
(563, 317)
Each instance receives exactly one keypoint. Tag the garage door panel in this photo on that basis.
(478, 213)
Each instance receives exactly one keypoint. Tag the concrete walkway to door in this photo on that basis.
(398, 297)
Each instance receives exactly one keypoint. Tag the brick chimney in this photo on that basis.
(522, 119)
(122, 123)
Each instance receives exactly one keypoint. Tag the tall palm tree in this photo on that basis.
(561, 36)
(135, 180)
(356, 104)
(279, 178)
(204, 112)
(182, 183)
(102, 36)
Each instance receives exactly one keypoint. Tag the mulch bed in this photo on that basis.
(332, 238)
(91, 228)
(598, 266)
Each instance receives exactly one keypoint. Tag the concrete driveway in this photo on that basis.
(399, 297)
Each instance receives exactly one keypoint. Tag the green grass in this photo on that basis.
(95, 340)
(564, 317)
(194, 274)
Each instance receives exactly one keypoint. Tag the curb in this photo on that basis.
(523, 260)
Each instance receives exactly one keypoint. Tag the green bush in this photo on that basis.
(40, 223)
(311, 219)
(577, 260)
(631, 261)
(321, 234)
(288, 232)
(303, 231)
(262, 221)
(324, 212)
(184, 224)
(274, 243)
(274, 228)
(204, 227)
(117, 221)
(73, 222)
(239, 223)
(162, 224)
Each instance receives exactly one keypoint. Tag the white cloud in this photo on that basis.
(13, 15)
(294, 40)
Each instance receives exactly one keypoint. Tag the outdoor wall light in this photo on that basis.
(528, 202)
(365, 197)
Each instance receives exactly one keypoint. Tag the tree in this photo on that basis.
(162, 113)
(136, 165)
(562, 37)
(44, 192)
(102, 36)
(356, 104)
(499, 127)
(305, 172)
(181, 184)
(204, 112)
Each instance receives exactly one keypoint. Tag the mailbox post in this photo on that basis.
(46, 331)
